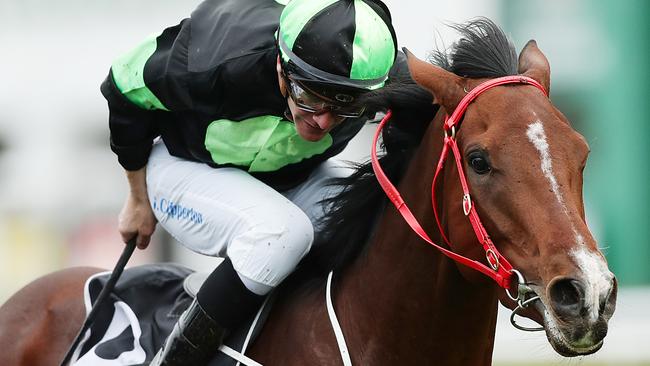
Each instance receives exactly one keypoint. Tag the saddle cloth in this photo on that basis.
(141, 311)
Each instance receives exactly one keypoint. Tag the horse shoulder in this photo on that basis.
(39, 322)
(299, 319)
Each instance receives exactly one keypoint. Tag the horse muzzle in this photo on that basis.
(576, 315)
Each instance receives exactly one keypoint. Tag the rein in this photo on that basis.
(498, 268)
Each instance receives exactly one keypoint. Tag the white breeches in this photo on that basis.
(226, 212)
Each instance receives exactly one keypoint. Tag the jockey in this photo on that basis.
(224, 125)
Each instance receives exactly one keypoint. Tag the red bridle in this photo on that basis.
(500, 270)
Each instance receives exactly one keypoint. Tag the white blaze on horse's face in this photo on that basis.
(596, 274)
(596, 281)
(537, 136)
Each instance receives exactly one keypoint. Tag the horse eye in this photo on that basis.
(478, 162)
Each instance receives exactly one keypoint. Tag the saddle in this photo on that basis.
(142, 310)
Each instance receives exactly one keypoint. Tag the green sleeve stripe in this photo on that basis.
(260, 144)
(372, 50)
(128, 74)
(299, 12)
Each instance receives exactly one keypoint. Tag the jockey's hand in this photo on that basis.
(136, 218)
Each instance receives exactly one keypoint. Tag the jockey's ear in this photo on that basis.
(533, 63)
(446, 87)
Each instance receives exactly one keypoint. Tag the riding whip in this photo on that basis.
(110, 285)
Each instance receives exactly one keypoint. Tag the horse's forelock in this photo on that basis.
(483, 51)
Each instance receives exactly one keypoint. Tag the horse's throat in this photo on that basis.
(403, 298)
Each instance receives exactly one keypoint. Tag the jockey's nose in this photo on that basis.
(326, 120)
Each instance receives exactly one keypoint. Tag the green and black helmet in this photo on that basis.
(334, 46)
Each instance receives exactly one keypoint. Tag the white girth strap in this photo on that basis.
(238, 356)
(338, 332)
(340, 339)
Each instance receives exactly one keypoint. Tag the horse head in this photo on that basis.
(524, 163)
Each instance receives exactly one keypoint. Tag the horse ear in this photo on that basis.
(534, 64)
(446, 87)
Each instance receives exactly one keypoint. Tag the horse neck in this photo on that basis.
(403, 300)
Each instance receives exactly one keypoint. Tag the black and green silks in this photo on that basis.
(208, 86)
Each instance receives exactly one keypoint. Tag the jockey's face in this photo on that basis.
(312, 126)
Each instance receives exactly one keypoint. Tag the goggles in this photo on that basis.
(337, 100)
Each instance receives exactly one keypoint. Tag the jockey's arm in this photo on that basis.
(134, 105)
(136, 217)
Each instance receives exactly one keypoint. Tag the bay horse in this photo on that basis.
(399, 301)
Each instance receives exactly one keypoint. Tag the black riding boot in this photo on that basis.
(193, 341)
(222, 303)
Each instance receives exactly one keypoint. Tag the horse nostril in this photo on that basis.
(567, 298)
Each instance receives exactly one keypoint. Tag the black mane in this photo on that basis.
(483, 51)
